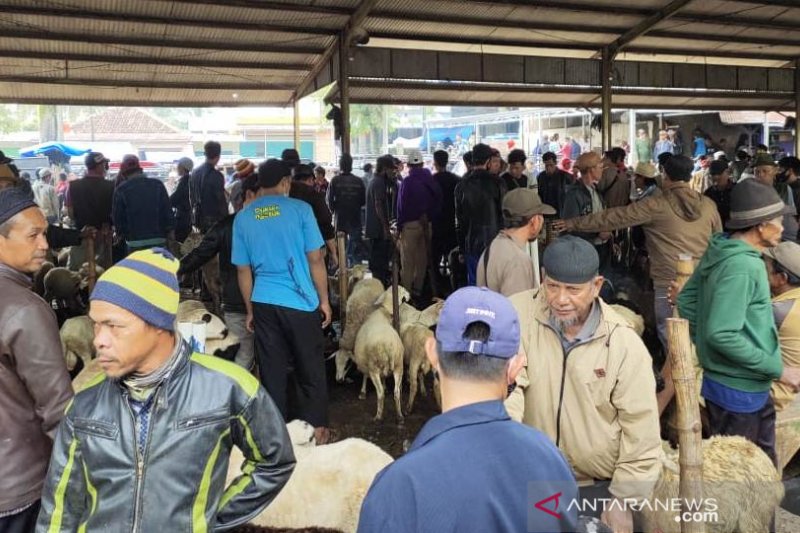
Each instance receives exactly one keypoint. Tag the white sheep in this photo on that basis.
(327, 486)
(737, 476)
(77, 341)
(359, 305)
(379, 352)
(414, 335)
(219, 340)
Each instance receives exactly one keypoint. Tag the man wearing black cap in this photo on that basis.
(277, 249)
(207, 190)
(505, 266)
(346, 197)
(471, 468)
(588, 383)
(380, 215)
(478, 210)
(303, 189)
(34, 384)
(89, 201)
(727, 304)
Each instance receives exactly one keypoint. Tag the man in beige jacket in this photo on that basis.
(679, 221)
(588, 383)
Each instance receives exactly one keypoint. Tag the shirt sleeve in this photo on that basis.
(240, 253)
(312, 238)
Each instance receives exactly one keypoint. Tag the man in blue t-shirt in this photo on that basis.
(472, 468)
(277, 251)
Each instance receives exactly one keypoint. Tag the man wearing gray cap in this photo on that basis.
(727, 304)
(783, 273)
(505, 265)
(588, 383)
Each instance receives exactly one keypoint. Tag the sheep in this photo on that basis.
(379, 352)
(414, 336)
(61, 284)
(327, 486)
(77, 341)
(87, 375)
(632, 317)
(359, 305)
(219, 340)
(737, 475)
(38, 277)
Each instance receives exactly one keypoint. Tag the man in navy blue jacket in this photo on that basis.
(472, 468)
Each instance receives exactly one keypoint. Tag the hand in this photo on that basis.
(559, 226)
(618, 519)
(327, 313)
(89, 232)
(604, 235)
(791, 377)
(249, 322)
(673, 291)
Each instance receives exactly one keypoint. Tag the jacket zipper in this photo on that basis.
(140, 458)
(561, 395)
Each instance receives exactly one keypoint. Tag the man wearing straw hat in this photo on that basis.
(145, 445)
(727, 303)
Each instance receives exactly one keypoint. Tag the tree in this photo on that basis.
(367, 122)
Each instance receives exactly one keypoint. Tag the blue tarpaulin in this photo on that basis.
(448, 135)
(45, 148)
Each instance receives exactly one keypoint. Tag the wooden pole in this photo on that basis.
(91, 276)
(341, 241)
(683, 271)
(689, 426)
(395, 285)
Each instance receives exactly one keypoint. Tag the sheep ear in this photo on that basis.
(380, 299)
(206, 318)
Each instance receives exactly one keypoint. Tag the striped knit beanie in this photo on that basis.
(144, 283)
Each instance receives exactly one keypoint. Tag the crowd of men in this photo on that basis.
(144, 446)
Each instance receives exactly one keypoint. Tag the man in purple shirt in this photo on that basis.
(419, 202)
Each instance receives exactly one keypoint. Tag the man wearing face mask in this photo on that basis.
(277, 247)
(588, 382)
(727, 303)
(505, 265)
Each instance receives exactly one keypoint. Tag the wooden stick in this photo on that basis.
(689, 426)
(341, 241)
(684, 269)
(395, 285)
(91, 276)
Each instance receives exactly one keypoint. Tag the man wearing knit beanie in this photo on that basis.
(588, 383)
(34, 384)
(165, 417)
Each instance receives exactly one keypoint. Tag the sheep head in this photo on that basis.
(385, 299)
(301, 433)
(342, 357)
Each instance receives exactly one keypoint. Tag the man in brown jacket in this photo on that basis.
(680, 221)
(34, 384)
(588, 382)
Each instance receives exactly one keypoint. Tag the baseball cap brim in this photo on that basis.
(777, 255)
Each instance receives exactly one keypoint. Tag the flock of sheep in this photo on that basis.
(330, 482)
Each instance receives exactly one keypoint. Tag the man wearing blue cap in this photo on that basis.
(471, 468)
(588, 383)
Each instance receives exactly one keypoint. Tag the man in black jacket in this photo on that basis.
(552, 183)
(207, 190)
(515, 177)
(479, 216)
(302, 188)
(346, 196)
(179, 199)
(381, 211)
(218, 240)
(444, 228)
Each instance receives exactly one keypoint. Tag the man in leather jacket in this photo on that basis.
(478, 210)
(145, 446)
(34, 384)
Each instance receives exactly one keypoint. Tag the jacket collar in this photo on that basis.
(675, 185)
(20, 278)
(609, 320)
(792, 294)
(467, 415)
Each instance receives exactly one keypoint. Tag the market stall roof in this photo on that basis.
(261, 52)
(46, 148)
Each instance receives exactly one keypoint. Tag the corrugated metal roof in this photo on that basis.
(193, 51)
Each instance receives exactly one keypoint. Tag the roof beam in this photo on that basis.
(739, 39)
(158, 43)
(733, 20)
(569, 6)
(267, 5)
(781, 3)
(138, 102)
(356, 19)
(167, 21)
(141, 60)
(645, 26)
(147, 84)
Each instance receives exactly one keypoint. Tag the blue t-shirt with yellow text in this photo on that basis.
(273, 235)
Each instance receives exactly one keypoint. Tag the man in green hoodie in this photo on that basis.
(727, 303)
